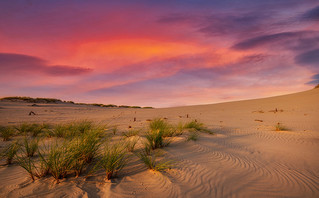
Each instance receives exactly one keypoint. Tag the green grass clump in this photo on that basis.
(163, 126)
(131, 143)
(197, 126)
(153, 164)
(6, 132)
(27, 164)
(156, 139)
(83, 150)
(192, 135)
(10, 151)
(74, 129)
(58, 160)
(131, 133)
(30, 146)
(113, 160)
(280, 127)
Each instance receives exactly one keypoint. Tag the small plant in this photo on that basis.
(10, 151)
(30, 146)
(151, 162)
(280, 127)
(27, 164)
(6, 132)
(131, 133)
(114, 130)
(316, 87)
(83, 150)
(58, 161)
(156, 140)
(192, 135)
(113, 160)
(131, 143)
(197, 126)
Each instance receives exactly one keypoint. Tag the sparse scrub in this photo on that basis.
(153, 164)
(156, 140)
(58, 160)
(83, 150)
(131, 143)
(10, 151)
(280, 127)
(6, 132)
(131, 132)
(113, 160)
(192, 135)
(27, 164)
(114, 130)
(30, 146)
(197, 126)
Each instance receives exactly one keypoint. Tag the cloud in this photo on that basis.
(309, 58)
(21, 64)
(311, 15)
(298, 40)
(314, 80)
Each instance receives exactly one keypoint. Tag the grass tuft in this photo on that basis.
(153, 164)
(131, 133)
(113, 160)
(10, 151)
(131, 143)
(192, 135)
(280, 127)
(30, 146)
(197, 126)
(6, 132)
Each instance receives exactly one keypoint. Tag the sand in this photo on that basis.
(245, 158)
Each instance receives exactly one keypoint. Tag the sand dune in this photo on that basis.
(245, 158)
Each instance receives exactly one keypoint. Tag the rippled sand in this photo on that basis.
(245, 158)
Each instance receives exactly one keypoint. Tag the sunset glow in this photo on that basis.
(158, 53)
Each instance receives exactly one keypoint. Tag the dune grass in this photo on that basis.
(280, 127)
(10, 151)
(152, 163)
(197, 126)
(83, 150)
(131, 143)
(156, 139)
(192, 135)
(30, 146)
(131, 132)
(6, 132)
(113, 160)
(58, 160)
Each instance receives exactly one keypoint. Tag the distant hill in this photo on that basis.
(58, 101)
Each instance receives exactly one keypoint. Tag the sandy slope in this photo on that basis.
(246, 158)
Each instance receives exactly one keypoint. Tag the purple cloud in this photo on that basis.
(309, 58)
(311, 15)
(20, 63)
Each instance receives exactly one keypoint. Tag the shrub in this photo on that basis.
(151, 162)
(10, 151)
(6, 132)
(113, 160)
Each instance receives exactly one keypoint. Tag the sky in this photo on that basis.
(158, 53)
